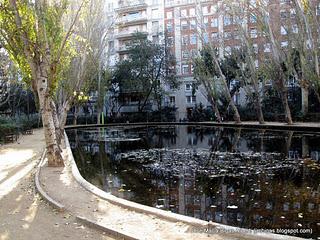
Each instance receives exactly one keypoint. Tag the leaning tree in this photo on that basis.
(37, 40)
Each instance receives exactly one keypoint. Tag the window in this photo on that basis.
(185, 69)
(205, 38)
(253, 18)
(284, 2)
(253, 3)
(169, 26)
(206, 22)
(238, 20)
(193, 24)
(193, 52)
(295, 28)
(184, 25)
(214, 8)
(184, 13)
(191, 99)
(227, 35)
(155, 2)
(284, 44)
(214, 22)
(293, 13)
(172, 100)
(185, 54)
(236, 34)
(214, 35)
(170, 41)
(192, 12)
(227, 20)
(155, 13)
(185, 40)
(267, 47)
(318, 10)
(256, 63)
(283, 30)
(253, 33)
(188, 86)
(284, 14)
(169, 15)
(155, 26)
(227, 50)
(155, 39)
(193, 39)
(205, 10)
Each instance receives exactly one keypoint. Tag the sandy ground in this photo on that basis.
(23, 214)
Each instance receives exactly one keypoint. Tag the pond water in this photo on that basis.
(257, 179)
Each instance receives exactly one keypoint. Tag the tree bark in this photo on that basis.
(259, 112)
(284, 96)
(304, 100)
(75, 118)
(53, 151)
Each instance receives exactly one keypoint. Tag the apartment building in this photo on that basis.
(189, 24)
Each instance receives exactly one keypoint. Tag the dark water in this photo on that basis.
(258, 179)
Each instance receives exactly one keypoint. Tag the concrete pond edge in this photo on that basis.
(61, 208)
(166, 215)
(39, 188)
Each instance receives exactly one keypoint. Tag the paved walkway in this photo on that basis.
(23, 214)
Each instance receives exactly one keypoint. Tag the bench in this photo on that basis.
(27, 132)
(10, 138)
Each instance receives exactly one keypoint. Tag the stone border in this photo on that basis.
(61, 208)
(166, 215)
(277, 126)
(109, 231)
(39, 188)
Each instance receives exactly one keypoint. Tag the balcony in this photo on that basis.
(133, 5)
(123, 49)
(132, 20)
(127, 34)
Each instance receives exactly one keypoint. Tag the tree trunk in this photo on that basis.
(258, 108)
(53, 151)
(304, 100)
(234, 108)
(75, 118)
(284, 96)
(56, 123)
(215, 108)
(257, 103)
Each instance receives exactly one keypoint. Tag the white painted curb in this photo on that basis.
(39, 188)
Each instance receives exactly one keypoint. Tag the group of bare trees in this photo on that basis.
(274, 42)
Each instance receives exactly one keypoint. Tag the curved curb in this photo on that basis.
(41, 191)
(173, 217)
(109, 231)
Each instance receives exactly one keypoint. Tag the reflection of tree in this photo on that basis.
(288, 142)
(236, 139)
(261, 198)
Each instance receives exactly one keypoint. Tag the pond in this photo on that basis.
(257, 179)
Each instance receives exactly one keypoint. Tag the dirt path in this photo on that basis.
(23, 214)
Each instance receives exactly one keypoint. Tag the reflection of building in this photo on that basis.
(270, 199)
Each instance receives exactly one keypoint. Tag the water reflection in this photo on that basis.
(253, 179)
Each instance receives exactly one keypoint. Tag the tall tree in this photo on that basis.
(33, 34)
(149, 66)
